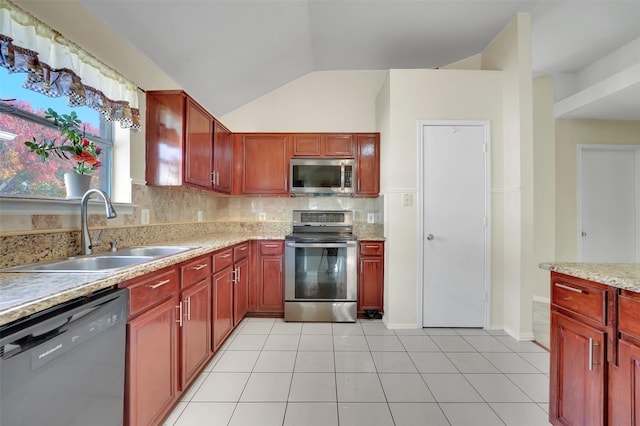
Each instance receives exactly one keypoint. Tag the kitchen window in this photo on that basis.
(22, 173)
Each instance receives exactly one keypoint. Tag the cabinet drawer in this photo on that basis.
(151, 290)
(271, 247)
(583, 299)
(629, 313)
(240, 251)
(195, 271)
(222, 259)
(371, 248)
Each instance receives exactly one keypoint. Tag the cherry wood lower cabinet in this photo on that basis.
(266, 290)
(222, 307)
(370, 278)
(578, 373)
(151, 386)
(241, 273)
(195, 335)
(595, 354)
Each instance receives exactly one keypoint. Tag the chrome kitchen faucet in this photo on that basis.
(85, 239)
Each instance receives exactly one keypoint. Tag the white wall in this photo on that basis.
(510, 51)
(425, 95)
(545, 180)
(322, 101)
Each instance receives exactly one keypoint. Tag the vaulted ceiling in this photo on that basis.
(229, 52)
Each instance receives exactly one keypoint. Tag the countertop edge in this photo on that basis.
(83, 284)
(625, 276)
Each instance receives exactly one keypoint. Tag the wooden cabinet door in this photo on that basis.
(338, 145)
(195, 336)
(198, 146)
(222, 159)
(152, 364)
(306, 145)
(164, 133)
(262, 164)
(577, 379)
(240, 290)
(271, 284)
(626, 402)
(222, 306)
(368, 170)
(370, 288)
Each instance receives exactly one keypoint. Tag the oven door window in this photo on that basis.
(321, 273)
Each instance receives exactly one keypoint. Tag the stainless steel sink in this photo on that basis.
(102, 262)
(154, 251)
(93, 263)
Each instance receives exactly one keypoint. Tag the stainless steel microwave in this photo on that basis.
(322, 176)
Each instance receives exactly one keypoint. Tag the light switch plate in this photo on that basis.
(199, 215)
(144, 216)
(407, 199)
(262, 216)
(370, 217)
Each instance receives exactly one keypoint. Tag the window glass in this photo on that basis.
(23, 172)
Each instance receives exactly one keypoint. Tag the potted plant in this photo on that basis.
(72, 146)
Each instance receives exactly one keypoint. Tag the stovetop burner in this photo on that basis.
(322, 226)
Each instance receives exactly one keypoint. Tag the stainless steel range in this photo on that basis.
(320, 267)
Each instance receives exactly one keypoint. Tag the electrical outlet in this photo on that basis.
(370, 217)
(199, 215)
(262, 216)
(144, 216)
(407, 199)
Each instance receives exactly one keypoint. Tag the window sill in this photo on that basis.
(55, 206)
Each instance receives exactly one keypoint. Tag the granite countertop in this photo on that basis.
(620, 275)
(25, 293)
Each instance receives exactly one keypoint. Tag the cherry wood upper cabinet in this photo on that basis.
(198, 150)
(368, 165)
(332, 145)
(222, 158)
(179, 138)
(261, 164)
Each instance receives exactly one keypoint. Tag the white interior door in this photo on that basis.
(608, 200)
(455, 219)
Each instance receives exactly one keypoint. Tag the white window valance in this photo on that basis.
(56, 66)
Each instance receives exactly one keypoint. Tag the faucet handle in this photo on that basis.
(98, 240)
(113, 246)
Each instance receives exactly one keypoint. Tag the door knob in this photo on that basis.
(430, 237)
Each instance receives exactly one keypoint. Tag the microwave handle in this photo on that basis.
(342, 176)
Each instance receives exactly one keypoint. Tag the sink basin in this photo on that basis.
(154, 251)
(94, 263)
(102, 262)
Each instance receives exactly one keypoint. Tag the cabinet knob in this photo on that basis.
(430, 237)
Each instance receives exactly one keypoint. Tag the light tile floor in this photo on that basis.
(270, 372)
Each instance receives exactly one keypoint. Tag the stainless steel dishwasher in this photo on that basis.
(65, 366)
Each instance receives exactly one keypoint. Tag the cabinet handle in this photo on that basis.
(233, 275)
(179, 320)
(188, 301)
(367, 246)
(237, 270)
(591, 361)
(243, 248)
(271, 245)
(566, 287)
(197, 268)
(224, 256)
(160, 284)
(213, 178)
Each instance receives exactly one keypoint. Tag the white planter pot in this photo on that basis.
(76, 185)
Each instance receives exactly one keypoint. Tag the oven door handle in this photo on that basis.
(321, 245)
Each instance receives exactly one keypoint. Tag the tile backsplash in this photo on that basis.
(172, 212)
